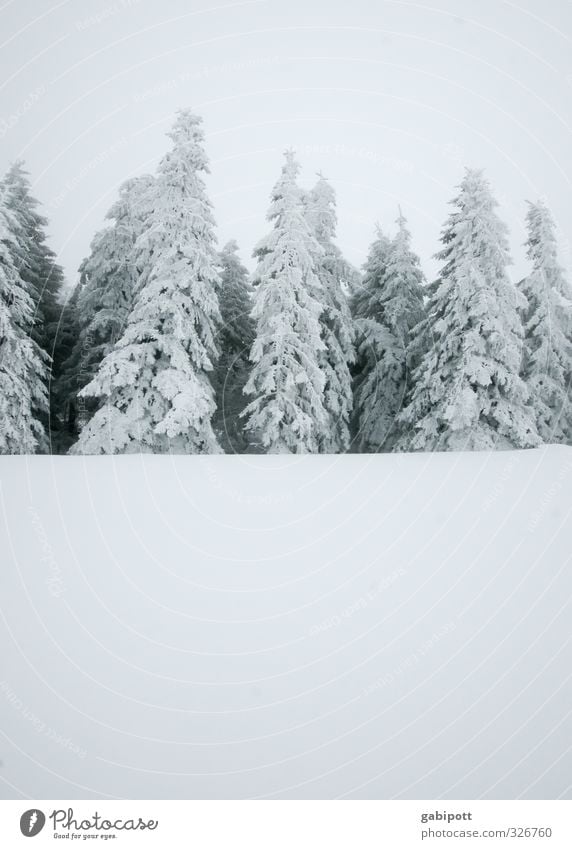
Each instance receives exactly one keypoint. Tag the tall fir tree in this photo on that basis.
(114, 269)
(363, 295)
(37, 264)
(235, 341)
(547, 366)
(392, 308)
(337, 327)
(154, 385)
(468, 393)
(287, 414)
(43, 279)
(364, 289)
(109, 277)
(23, 364)
(64, 391)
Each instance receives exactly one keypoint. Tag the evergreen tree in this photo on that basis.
(364, 291)
(287, 414)
(36, 262)
(64, 389)
(362, 297)
(394, 305)
(154, 385)
(547, 367)
(235, 341)
(43, 280)
(23, 364)
(337, 328)
(114, 267)
(468, 393)
(108, 280)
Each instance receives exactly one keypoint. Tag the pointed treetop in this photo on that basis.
(130, 192)
(231, 247)
(187, 123)
(541, 242)
(291, 166)
(403, 236)
(380, 238)
(323, 187)
(474, 177)
(290, 170)
(18, 177)
(286, 192)
(473, 184)
(320, 203)
(187, 133)
(323, 184)
(473, 232)
(18, 186)
(18, 170)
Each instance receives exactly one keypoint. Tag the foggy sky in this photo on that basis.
(389, 99)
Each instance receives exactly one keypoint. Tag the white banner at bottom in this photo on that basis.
(288, 824)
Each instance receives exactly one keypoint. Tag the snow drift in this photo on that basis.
(317, 627)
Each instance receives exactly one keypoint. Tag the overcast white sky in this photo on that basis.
(389, 98)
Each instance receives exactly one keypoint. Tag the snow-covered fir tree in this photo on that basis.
(362, 294)
(113, 270)
(154, 386)
(43, 279)
(23, 364)
(287, 414)
(547, 365)
(234, 341)
(64, 389)
(391, 307)
(373, 271)
(337, 327)
(36, 262)
(108, 280)
(468, 393)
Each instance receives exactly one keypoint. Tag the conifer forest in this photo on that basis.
(166, 343)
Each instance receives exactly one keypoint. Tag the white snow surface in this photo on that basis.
(286, 627)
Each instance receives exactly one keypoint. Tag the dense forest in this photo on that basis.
(168, 345)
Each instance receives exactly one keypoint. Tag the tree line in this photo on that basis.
(168, 345)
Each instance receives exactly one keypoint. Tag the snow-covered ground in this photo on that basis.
(358, 626)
